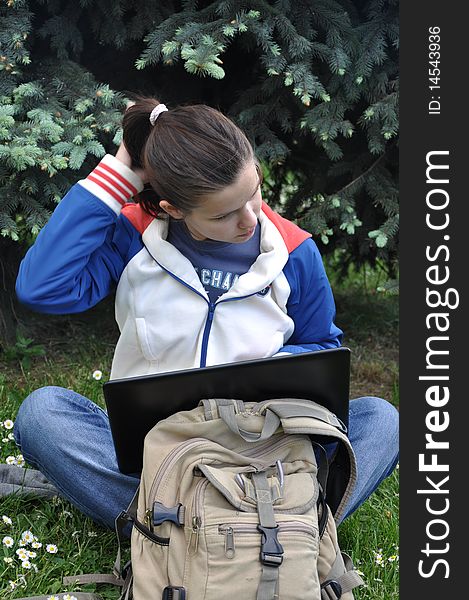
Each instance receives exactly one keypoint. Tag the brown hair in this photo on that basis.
(189, 152)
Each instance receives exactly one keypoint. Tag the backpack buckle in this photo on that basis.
(162, 513)
(271, 549)
(174, 593)
(331, 590)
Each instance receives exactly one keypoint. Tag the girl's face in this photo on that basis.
(229, 215)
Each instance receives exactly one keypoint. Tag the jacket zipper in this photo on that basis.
(211, 310)
(208, 327)
(229, 530)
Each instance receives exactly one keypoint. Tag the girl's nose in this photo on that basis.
(248, 218)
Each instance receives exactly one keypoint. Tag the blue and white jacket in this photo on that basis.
(97, 239)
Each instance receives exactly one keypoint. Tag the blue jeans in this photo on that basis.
(67, 437)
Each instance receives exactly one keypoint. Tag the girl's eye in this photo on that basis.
(220, 218)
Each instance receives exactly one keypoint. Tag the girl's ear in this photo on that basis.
(171, 210)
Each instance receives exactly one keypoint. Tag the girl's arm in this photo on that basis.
(311, 304)
(79, 255)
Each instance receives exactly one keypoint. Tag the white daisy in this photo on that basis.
(51, 548)
(8, 541)
(8, 424)
(97, 374)
(22, 553)
(6, 520)
(27, 536)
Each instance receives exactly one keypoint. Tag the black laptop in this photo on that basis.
(135, 404)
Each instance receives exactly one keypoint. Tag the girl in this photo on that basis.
(206, 273)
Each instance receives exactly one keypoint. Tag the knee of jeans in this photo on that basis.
(34, 415)
(388, 415)
(383, 416)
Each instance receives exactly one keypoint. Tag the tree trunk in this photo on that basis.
(10, 256)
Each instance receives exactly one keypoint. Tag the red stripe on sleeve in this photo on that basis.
(110, 180)
(106, 188)
(119, 177)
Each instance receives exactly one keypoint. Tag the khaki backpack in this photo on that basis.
(242, 499)
(232, 500)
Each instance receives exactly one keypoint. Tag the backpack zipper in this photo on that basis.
(198, 493)
(228, 532)
(271, 445)
(176, 453)
(194, 536)
(230, 529)
(196, 519)
(170, 460)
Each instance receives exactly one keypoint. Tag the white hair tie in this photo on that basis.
(156, 112)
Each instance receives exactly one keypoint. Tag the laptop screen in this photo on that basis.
(135, 404)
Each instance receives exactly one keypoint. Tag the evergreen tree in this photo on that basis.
(314, 83)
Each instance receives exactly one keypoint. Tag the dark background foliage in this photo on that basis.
(313, 83)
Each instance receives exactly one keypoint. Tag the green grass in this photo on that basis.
(75, 347)
(371, 537)
(82, 547)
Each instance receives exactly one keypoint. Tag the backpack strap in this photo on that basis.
(287, 408)
(78, 596)
(337, 582)
(271, 555)
(211, 407)
(85, 578)
(122, 526)
(295, 415)
(271, 424)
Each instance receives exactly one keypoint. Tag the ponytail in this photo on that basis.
(137, 127)
(189, 152)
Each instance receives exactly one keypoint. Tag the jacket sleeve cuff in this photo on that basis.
(113, 182)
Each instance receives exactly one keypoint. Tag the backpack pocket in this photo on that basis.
(149, 564)
(230, 560)
(224, 541)
(295, 492)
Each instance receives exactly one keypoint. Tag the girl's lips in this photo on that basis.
(248, 233)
